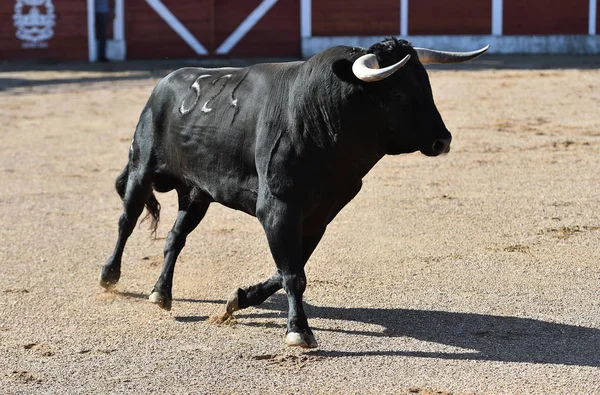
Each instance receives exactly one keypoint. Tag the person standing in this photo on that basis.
(101, 9)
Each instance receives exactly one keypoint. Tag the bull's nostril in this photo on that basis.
(440, 146)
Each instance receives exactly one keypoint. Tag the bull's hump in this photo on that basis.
(209, 85)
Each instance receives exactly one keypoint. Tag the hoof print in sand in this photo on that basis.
(43, 349)
(155, 260)
(23, 376)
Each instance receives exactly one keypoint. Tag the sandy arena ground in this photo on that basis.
(476, 272)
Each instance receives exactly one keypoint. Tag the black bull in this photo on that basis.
(288, 143)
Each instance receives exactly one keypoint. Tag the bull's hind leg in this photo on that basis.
(256, 294)
(189, 216)
(137, 193)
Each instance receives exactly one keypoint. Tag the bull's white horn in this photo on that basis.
(431, 56)
(366, 68)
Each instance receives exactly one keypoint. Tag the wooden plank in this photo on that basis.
(444, 17)
(545, 17)
(355, 18)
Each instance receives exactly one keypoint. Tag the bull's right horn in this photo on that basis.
(366, 68)
(431, 56)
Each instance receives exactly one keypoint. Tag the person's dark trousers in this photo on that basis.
(101, 27)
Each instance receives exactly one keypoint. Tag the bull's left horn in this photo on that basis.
(431, 56)
(366, 68)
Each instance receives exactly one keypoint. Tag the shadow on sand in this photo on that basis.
(494, 338)
(14, 83)
(111, 72)
(147, 69)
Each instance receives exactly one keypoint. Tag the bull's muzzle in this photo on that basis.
(438, 147)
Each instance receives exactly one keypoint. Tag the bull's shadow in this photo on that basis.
(495, 338)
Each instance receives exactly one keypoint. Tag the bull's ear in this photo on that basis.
(342, 68)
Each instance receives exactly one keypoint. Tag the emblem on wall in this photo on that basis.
(34, 20)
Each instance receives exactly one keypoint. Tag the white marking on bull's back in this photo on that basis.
(184, 110)
(196, 84)
(196, 88)
(205, 109)
(131, 146)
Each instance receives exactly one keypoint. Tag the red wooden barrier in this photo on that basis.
(58, 30)
(546, 17)
(355, 18)
(449, 17)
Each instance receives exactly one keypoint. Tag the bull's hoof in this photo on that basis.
(304, 340)
(233, 302)
(109, 279)
(162, 301)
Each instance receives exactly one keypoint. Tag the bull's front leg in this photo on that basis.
(283, 226)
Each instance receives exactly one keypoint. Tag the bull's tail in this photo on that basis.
(152, 205)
